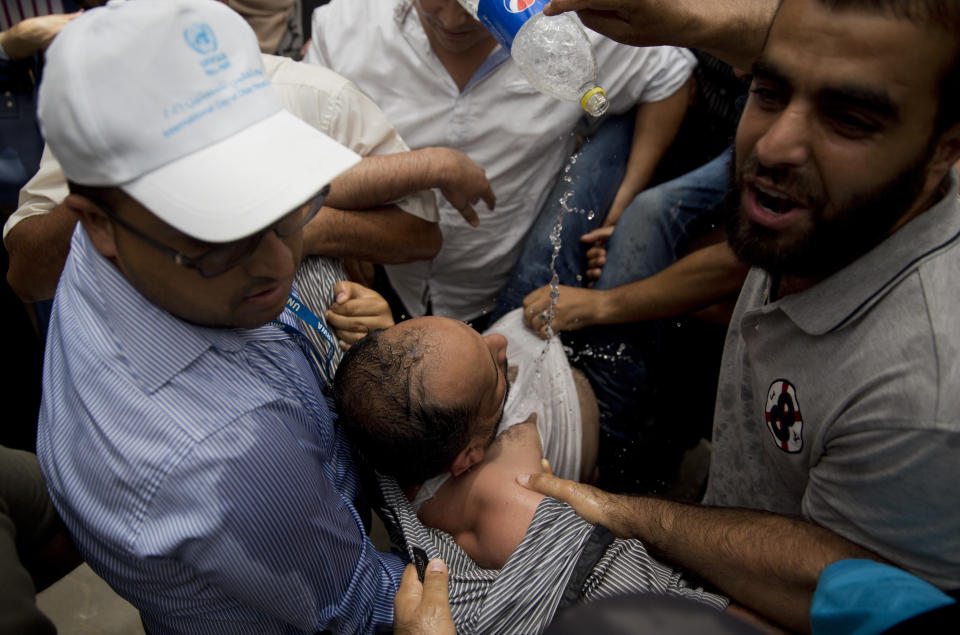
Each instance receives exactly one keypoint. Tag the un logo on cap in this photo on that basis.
(200, 37)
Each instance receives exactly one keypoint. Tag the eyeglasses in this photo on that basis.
(224, 257)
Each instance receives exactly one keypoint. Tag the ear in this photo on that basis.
(468, 457)
(947, 151)
(95, 223)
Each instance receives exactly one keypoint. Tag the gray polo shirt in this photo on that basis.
(842, 403)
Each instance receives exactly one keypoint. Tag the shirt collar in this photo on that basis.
(155, 344)
(832, 303)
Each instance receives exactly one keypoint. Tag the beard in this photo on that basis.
(859, 224)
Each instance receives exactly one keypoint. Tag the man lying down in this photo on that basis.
(428, 404)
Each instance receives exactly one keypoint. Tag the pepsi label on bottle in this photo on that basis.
(503, 18)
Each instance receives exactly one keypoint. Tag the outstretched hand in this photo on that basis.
(423, 609)
(635, 22)
(576, 308)
(464, 184)
(597, 254)
(590, 503)
(357, 311)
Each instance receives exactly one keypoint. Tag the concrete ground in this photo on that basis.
(82, 604)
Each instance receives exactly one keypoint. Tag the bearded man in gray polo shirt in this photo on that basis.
(839, 394)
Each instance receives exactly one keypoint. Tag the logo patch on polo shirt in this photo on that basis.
(783, 416)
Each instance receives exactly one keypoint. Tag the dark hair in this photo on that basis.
(943, 14)
(385, 412)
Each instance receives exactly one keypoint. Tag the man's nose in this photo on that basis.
(273, 258)
(787, 140)
(453, 16)
(498, 346)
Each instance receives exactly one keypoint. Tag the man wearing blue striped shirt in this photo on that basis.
(187, 442)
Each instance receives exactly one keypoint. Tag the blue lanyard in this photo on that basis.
(295, 306)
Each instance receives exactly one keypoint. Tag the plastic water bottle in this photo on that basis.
(553, 53)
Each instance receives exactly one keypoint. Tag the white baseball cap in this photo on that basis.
(169, 101)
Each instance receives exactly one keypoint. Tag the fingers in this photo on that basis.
(469, 214)
(586, 500)
(435, 586)
(361, 308)
(535, 307)
(488, 197)
(546, 483)
(346, 289)
(555, 7)
(596, 260)
(596, 257)
(535, 318)
(531, 304)
(423, 609)
(600, 234)
(357, 311)
(408, 596)
(354, 299)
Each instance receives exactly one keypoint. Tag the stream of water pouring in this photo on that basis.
(555, 242)
(555, 235)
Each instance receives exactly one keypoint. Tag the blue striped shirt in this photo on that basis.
(199, 470)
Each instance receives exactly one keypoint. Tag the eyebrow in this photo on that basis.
(871, 100)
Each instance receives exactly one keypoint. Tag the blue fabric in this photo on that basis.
(651, 235)
(20, 141)
(863, 597)
(586, 187)
(200, 470)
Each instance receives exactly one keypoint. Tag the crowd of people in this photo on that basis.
(276, 296)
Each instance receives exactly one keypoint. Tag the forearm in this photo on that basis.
(733, 30)
(38, 248)
(655, 128)
(767, 562)
(698, 280)
(32, 34)
(378, 180)
(385, 235)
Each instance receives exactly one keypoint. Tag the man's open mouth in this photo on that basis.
(775, 202)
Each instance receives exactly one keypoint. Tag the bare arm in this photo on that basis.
(698, 280)
(384, 178)
(385, 235)
(38, 248)
(655, 128)
(359, 224)
(33, 34)
(733, 30)
(767, 562)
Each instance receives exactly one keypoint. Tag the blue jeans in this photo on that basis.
(620, 360)
(586, 186)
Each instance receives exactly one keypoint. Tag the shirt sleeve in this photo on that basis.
(47, 189)
(357, 118)
(337, 107)
(891, 487)
(632, 75)
(257, 516)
